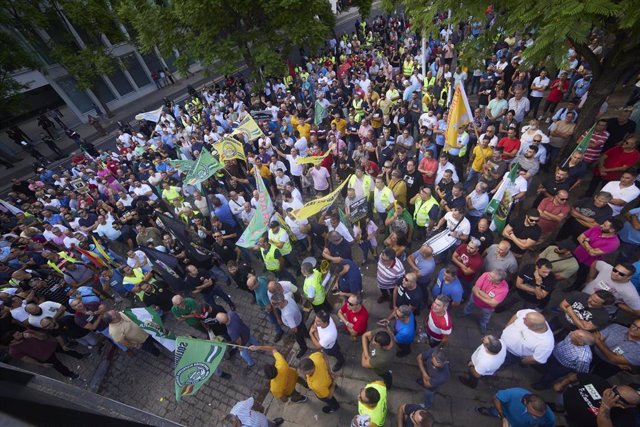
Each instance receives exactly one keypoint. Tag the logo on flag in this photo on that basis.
(196, 361)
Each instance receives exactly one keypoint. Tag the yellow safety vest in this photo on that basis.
(385, 197)
(171, 194)
(357, 105)
(65, 259)
(444, 94)
(377, 414)
(287, 80)
(407, 68)
(314, 281)
(422, 209)
(367, 184)
(286, 248)
(429, 82)
(271, 263)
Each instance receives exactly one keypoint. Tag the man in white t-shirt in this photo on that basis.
(528, 339)
(324, 336)
(539, 85)
(623, 191)
(485, 361)
(46, 309)
(321, 179)
(457, 224)
(615, 280)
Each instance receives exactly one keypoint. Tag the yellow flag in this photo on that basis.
(249, 127)
(314, 160)
(230, 148)
(459, 115)
(313, 207)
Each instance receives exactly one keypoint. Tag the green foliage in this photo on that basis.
(261, 33)
(12, 58)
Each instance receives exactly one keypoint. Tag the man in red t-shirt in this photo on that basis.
(612, 164)
(558, 88)
(510, 145)
(468, 259)
(354, 316)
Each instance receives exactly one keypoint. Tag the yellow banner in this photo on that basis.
(313, 207)
(230, 148)
(459, 115)
(314, 160)
(249, 127)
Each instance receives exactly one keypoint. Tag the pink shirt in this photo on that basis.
(497, 291)
(605, 244)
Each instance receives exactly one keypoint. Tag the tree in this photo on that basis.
(555, 27)
(13, 58)
(261, 33)
(87, 60)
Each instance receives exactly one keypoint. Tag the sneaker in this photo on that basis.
(329, 410)
(301, 353)
(337, 366)
(299, 399)
(278, 422)
(225, 376)
(278, 336)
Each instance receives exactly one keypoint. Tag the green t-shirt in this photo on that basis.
(404, 222)
(190, 305)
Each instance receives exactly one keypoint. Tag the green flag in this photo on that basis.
(501, 202)
(582, 145)
(149, 320)
(260, 221)
(205, 166)
(185, 166)
(319, 113)
(196, 362)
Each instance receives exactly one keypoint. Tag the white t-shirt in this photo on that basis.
(49, 309)
(294, 168)
(341, 229)
(320, 178)
(144, 189)
(486, 363)
(463, 228)
(328, 335)
(294, 226)
(301, 145)
(624, 292)
(627, 194)
(290, 315)
(293, 204)
(544, 83)
(522, 341)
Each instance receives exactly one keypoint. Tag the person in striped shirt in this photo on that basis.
(390, 272)
(596, 143)
(438, 324)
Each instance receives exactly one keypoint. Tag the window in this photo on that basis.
(102, 91)
(132, 65)
(119, 79)
(78, 97)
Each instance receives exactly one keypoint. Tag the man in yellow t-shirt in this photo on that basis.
(304, 129)
(315, 368)
(283, 378)
(341, 124)
(481, 152)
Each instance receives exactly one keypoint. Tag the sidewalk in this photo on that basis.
(24, 168)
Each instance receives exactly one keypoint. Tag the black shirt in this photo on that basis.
(578, 302)
(410, 297)
(342, 249)
(414, 181)
(486, 238)
(582, 402)
(548, 284)
(523, 232)
(588, 209)
(552, 186)
(617, 131)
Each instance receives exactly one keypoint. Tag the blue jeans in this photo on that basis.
(246, 354)
(486, 312)
(471, 178)
(220, 274)
(274, 321)
(428, 398)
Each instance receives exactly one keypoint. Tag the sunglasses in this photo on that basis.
(618, 272)
(564, 200)
(617, 393)
(352, 304)
(534, 220)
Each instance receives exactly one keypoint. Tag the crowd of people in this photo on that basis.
(124, 225)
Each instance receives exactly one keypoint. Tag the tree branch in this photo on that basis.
(589, 56)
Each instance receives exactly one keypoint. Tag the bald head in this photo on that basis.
(535, 321)
(177, 300)
(580, 337)
(222, 318)
(275, 287)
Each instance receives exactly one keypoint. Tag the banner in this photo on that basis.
(195, 252)
(149, 320)
(460, 114)
(204, 167)
(184, 166)
(583, 145)
(500, 204)
(10, 208)
(249, 127)
(260, 221)
(152, 116)
(196, 362)
(314, 160)
(230, 148)
(319, 113)
(313, 207)
(167, 266)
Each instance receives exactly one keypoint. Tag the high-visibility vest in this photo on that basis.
(66, 258)
(314, 281)
(286, 248)
(271, 263)
(422, 209)
(137, 277)
(367, 184)
(357, 105)
(377, 414)
(385, 197)
(171, 194)
(407, 68)
(287, 80)
(444, 94)
(429, 82)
